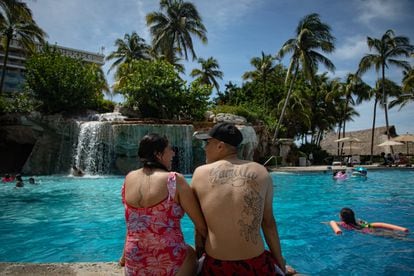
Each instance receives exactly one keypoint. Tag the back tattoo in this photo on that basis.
(241, 177)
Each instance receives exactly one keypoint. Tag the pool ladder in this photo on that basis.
(268, 160)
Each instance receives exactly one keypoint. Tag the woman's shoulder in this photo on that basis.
(133, 173)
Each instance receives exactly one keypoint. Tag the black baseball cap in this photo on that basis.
(225, 132)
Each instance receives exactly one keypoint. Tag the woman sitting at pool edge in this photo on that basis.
(349, 222)
(155, 200)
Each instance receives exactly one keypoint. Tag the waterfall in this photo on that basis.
(94, 148)
(110, 147)
(249, 143)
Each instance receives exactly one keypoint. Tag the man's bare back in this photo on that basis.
(232, 196)
(236, 198)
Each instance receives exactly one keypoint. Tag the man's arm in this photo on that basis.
(269, 227)
(199, 239)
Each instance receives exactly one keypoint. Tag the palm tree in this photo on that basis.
(264, 67)
(16, 22)
(175, 62)
(353, 86)
(132, 47)
(376, 92)
(209, 72)
(408, 88)
(99, 76)
(172, 27)
(387, 49)
(311, 35)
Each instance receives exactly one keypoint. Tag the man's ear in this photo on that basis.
(220, 145)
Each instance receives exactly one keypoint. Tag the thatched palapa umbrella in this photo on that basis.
(405, 138)
(349, 140)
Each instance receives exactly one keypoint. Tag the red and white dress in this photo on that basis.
(155, 243)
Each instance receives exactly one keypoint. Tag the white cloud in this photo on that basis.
(226, 12)
(353, 48)
(379, 9)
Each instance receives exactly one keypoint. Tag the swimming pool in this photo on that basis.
(66, 219)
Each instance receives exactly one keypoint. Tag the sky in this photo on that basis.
(238, 30)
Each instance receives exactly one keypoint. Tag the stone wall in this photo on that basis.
(33, 144)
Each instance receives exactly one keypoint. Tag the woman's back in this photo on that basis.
(155, 244)
(145, 187)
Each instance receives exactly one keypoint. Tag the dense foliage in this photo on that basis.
(23, 102)
(155, 90)
(63, 84)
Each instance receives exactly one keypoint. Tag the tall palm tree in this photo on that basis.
(353, 86)
(209, 72)
(387, 49)
(376, 92)
(264, 67)
(172, 27)
(311, 35)
(16, 22)
(132, 47)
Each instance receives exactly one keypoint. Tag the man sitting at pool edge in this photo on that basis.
(236, 199)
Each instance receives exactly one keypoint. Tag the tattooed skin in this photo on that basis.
(251, 215)
(240, 177)
(230, 174)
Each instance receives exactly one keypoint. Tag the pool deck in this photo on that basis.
(81, 269)
(324, 168)
(112, 268)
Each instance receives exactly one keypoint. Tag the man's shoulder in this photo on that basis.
(255, 166)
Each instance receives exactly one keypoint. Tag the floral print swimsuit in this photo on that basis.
(155, 243)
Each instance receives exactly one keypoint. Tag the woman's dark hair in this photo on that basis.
(348, 216)
(151, 145)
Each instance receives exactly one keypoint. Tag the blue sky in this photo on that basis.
(239, 30)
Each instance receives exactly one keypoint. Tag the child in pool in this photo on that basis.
(349, 222)
(340, 175)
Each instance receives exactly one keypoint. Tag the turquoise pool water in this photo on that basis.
(65, 219)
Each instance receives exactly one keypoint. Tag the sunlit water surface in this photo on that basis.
(67, 219)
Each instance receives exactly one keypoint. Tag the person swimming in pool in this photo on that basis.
(349, 222)
(340, 175)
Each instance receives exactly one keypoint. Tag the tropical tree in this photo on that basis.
(353, 86)
(176, 62)
(229, 96)
(386, 49)
(172, 27)
(16, 22)
(408, 90)
(132, 47)
(311, 34)
(151, 87)
(63, 84)
(377, 92)
(209, 72)
(98, 77)
(264, 67)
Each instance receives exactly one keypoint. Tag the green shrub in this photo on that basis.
(22, 102)
(104, 106)
(63, 84)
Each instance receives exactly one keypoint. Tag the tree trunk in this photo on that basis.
(384, 100)
(339, 137)
(6, 56)
(373, 129)
(284, 105)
